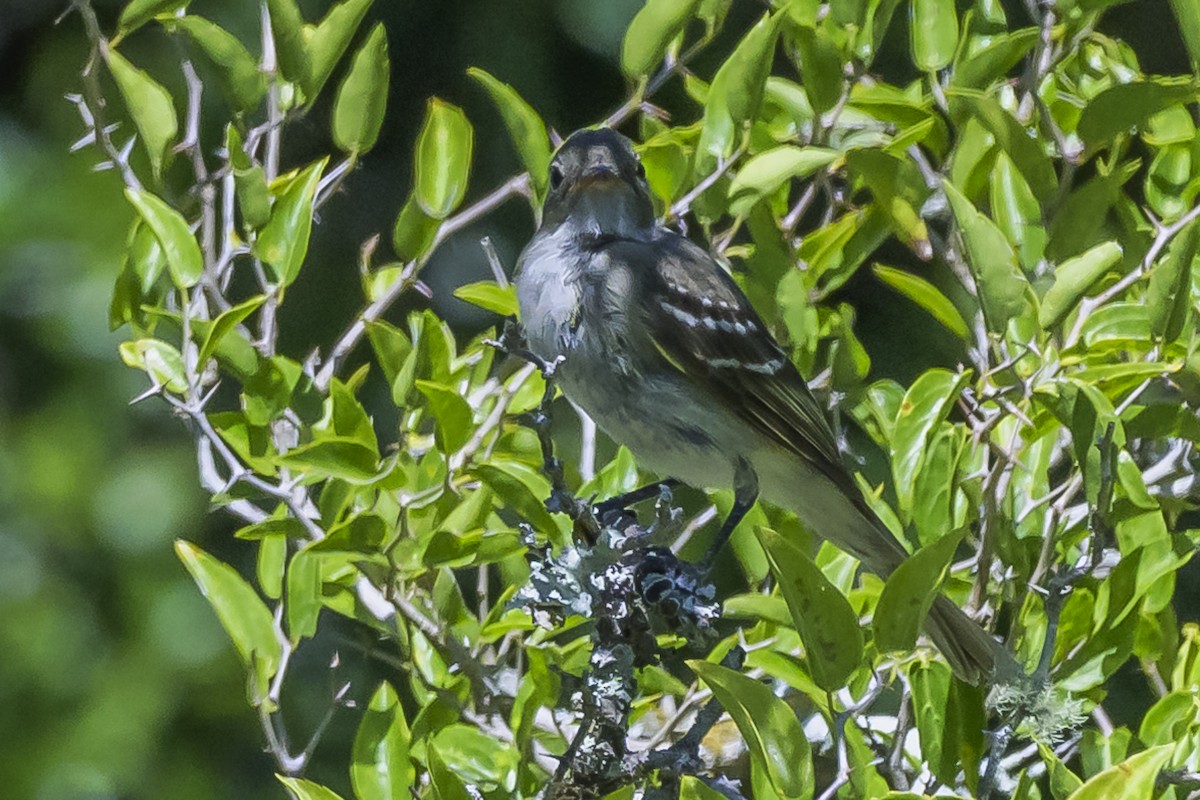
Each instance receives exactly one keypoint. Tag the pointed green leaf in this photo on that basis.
(651, 32)
(822, 67)
(301, 789)
(927, 296)
(993, 61)
(362, 97)
(414, 232)
(239, 608)
(761, 175)
(1168, 297)
(772, 732)
(455, 421)
(1129, 105)
(736, 92)
(934, 31)
(525, 128)
(287, 29)
(1004, 292)
(1187, 14)
(225, 323)
(1025, 150)
(490, 295)
(909, 592)
(443, 159)
(827, 624)
(1073, 278)
(283, 243)
(149, 105)
(336, 457)
(926, 404)
(160, 360)
(520, 488)
(184, 260)
(326, 43)
(303, 595)
(138, 12)
(1133, 777)
(250, 182)
(380, 768)
(1017, 212)
(446, 784)
(241, 79)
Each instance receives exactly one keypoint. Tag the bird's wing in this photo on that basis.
(704, 326)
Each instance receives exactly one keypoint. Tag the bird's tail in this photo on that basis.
(973, 654)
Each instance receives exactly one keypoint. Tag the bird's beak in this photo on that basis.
(600, 175)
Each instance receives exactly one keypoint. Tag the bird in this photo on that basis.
(658, 344)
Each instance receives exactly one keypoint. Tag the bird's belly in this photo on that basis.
(668, 431)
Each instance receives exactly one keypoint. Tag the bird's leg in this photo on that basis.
(610, 511)
(745, 493)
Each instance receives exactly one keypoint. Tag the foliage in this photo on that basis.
(1040, 186)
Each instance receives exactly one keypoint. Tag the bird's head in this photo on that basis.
(598, 185)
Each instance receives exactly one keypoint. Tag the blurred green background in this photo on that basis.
(114, 675)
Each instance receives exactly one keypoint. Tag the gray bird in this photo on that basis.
(663, 350)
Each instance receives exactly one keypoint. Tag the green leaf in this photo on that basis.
(1133, 777)
(362, 97)
(827, 624)
(160, 360)
(149, 105)
(326, 43)
(283, 242)
(1079, 220)
(772, 732)
(1187, 14)
(446, 784)
(821, 67)
(303, 595)
(651, 32)
(762, 174)
(414, 232)
(736, 92)
(1017, 212)
(455, 421)
(993, 61)
(380, 768)
(927, 296)
(443, 159)
(1072, 278)
(225, 323)
(138, 12)
(302, 789)
(525, 128)
(239, 608)
(934, 30)
(1025, 151)
(1063, 782)
(926, 404)
(1004, 293)
(692, 788)
(935, 718)
(1168, 297)
(241, 79)
(184, 260)
(490, 295)
(287, 28)
(250, 182)
(1129, 105)
(909, 592)
(521, 488)
(336, 457)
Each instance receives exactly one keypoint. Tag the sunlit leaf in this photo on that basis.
(821, 614)
(1133, 777)
(1129, 105)
(927, 296)
(772, 732)
(651, 32)
(1073, 278)
(137, 13)
(909, 592)
(301, 789)
(326, 42)
(161, 361)
(761, 175)
(934, 30)
(184, 259)
(443, 159)
(241, 79)
(226, 322)
(362, 97)
(926, 404)
(490, 295)
(283, 242)
(380, 768)
(525, 127)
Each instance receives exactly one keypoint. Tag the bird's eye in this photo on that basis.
(556, 176)
(641, 170)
